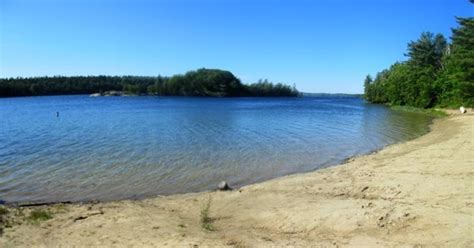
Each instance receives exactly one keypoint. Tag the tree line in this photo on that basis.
(436, 74)
(202, 82)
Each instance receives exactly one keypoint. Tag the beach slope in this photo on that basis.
(415, 193)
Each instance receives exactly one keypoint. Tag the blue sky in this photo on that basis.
(321, 46)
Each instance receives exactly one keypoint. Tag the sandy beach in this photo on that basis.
(414, 194)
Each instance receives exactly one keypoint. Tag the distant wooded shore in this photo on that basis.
(202, 82)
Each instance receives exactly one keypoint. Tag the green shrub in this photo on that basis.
(37, 216)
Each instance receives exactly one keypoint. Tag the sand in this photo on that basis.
(418, 193)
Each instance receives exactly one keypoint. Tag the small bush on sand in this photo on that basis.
(3, 219)
(37, 216)
(3, 211)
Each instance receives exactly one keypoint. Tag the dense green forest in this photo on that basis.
(202, 82)
(436, 73)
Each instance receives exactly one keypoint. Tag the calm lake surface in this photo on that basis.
(109, 148)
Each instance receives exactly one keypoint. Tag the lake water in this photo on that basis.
(109, 148)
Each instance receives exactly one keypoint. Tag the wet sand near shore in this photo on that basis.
(418, 193)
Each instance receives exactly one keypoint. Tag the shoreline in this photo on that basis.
(417, 192)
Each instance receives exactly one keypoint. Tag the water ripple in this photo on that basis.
(115, 148)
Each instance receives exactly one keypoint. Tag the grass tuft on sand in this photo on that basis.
(206, 220)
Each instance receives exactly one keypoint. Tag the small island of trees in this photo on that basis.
(436, 74)
(202, 82)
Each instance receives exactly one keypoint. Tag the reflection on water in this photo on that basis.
(126, 147)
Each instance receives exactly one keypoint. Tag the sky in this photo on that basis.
(320, 45)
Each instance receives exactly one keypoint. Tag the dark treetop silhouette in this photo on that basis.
(202, 82)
